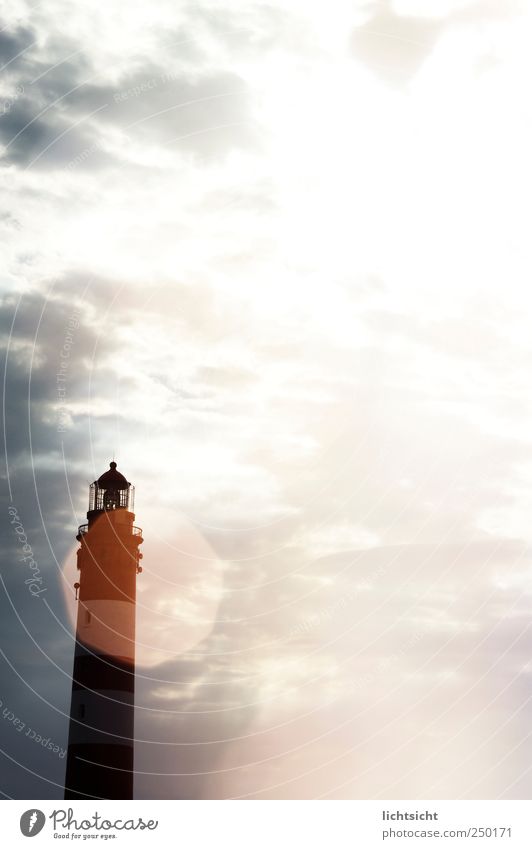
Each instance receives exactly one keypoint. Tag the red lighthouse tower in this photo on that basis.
(101, 732)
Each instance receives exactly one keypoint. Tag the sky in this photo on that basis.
(275, 259)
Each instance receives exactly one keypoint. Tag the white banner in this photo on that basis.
(267, 824)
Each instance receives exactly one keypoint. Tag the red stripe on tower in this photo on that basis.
(101, 732)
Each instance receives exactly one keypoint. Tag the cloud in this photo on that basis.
(59, 117)
(395, 46)
(14, 43)
(384, 671)
(397, 38)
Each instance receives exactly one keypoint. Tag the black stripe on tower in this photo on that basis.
(106, 770)
(103, 672)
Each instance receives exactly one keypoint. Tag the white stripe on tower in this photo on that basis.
(107, 626)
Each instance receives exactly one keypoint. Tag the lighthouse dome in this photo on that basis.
(112, 479)
(111, 491)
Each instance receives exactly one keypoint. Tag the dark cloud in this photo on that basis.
(47, 140)
(36, 665)
(192, 732)
(205, 114)
(32, 120)
(44, 341)
(15, 43)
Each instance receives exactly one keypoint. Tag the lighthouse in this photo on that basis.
(101, 731)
